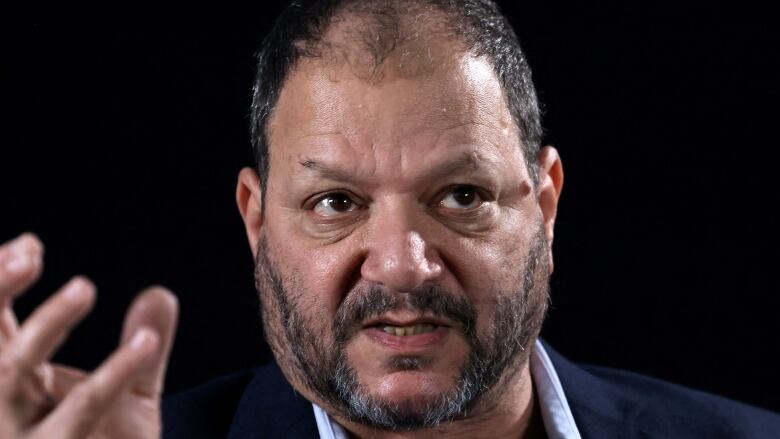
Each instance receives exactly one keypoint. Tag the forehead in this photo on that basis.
(328, 108)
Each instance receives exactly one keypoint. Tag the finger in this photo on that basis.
(8, 325)
(21, 261)
(155, 308)
(64, 379)
(81, 410)
(49, 325)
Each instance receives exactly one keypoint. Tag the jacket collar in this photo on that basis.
(600, 409)
(270, 407)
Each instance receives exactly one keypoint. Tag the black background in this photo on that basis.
(125, 128)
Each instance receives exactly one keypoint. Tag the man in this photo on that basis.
(401, 217)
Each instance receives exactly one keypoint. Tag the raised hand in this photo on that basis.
(120, 399)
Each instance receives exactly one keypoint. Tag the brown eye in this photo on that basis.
(334, 204)
(462, 197)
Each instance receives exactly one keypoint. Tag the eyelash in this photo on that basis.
(319, 199)
(479, 192)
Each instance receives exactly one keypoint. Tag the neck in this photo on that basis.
(509, 411)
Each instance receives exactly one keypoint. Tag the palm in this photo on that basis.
(134, 415)
(131, 417)
(120, 399)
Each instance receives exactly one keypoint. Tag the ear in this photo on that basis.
(549, 190)
(248, 198)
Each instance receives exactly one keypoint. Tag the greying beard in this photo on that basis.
(325, 370)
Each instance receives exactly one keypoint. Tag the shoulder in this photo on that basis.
(607, 401)
(670, 410)
(256, 403)
(206, 410)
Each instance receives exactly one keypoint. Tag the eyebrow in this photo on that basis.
(466, 162)
(326, 171)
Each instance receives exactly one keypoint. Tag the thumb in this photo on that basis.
(157, 309)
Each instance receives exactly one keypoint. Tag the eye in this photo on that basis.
(462, 197)
(334, 204)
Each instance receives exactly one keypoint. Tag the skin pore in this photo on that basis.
(392, 189)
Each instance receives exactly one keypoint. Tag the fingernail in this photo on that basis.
(22, 254)
(19, 263)
(141, 338)
(76, 290)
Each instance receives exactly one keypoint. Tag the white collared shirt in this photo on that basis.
(556, 414)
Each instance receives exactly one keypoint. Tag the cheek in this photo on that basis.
(513, 239)
(478, 263)
(319, 274)
(491, 265)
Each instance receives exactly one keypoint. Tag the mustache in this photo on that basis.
(429, 299)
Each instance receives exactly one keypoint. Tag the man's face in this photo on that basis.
(401, 259)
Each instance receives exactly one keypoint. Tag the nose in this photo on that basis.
(399, 257)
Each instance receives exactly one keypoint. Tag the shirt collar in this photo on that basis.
(556, 414)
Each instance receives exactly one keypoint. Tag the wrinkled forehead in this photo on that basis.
(400, 88)
(323, 97)
(395, 129)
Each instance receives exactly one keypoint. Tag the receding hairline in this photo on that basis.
(373, 38)
(478, 24)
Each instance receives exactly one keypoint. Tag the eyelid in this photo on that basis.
(312, 203)
(313, 200)
(484, 194)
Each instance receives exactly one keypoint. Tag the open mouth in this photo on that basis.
(405, 331)
(408, 334)
(406, 327)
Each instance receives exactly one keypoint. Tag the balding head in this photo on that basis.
(377, 39)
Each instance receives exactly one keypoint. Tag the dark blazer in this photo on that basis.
(605, 403)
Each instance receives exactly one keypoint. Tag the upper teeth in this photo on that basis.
(408, 330)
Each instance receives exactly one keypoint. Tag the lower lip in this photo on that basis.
(408, 342)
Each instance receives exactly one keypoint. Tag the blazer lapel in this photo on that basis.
(600, 409)
(270, 408)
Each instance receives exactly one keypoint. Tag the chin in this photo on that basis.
(412, 385)
(411, 395)
(406, 392)
(405, 411)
